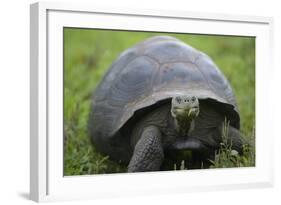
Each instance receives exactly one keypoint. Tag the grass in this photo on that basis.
(226, 157)
(89, 53)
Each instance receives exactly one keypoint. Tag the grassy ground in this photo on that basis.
(89, 53)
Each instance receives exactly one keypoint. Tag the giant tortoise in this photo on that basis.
(159, 97)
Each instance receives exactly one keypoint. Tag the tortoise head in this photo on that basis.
(184, 108)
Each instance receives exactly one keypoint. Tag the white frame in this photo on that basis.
(46, 180)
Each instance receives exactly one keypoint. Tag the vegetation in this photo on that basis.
(89, 53)
(226, 157)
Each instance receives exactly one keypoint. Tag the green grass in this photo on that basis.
(226, 157)
(89, 53)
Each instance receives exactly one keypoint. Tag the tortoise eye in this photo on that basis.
(178, 99)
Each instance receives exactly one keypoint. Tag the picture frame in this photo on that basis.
(47, 182)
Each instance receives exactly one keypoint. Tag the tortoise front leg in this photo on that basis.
(233, 139)
(204, 147)
(148, 153)
(201, 158)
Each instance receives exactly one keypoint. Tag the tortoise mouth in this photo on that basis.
(193, 112)
(189, 112)
(182, 109)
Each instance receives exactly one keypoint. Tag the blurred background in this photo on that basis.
(88, 54)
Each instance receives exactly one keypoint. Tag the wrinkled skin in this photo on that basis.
(179, 126)
(158, 129)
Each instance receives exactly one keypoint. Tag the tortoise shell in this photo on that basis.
(151, 71)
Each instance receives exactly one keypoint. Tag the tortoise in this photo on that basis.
(158, 98)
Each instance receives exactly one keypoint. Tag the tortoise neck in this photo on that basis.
(184, 126)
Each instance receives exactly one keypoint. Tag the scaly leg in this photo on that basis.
(148, 153)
